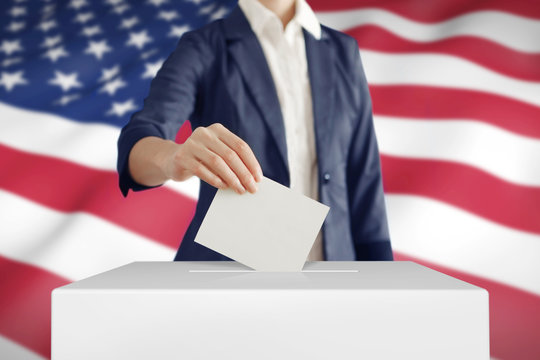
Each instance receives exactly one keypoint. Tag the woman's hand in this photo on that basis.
(218, 157)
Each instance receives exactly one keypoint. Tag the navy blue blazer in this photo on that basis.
(219, 74)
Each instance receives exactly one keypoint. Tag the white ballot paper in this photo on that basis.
(271, 230)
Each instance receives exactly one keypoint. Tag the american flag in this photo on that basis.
(456, 97)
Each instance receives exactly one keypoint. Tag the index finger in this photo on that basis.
(242, 149)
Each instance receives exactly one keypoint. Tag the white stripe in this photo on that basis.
(13, 351)
(444, 71)
(75, 245)
(92, 145)
(503, 154)
(447, 236)
(513, 31)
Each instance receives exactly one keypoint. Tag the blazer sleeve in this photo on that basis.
(364, 180)
(170, 102)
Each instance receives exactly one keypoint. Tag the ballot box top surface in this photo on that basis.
(391, 275)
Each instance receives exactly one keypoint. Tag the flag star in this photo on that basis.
(51, 41)
(90, 31)
(48, 10)
(157, 3)
(205, 10)
(196, 2)
(65, 81)
(219, 13)
(10, 80)
(147, 54)
(114, 2)
(15, 26)
(119, 109)
(66, 99)
(83, 18)
(77, 4)
(152, 69)
(9, 47)
(98, 48)
(129, 23)
(112, 87)
(120, 9)
(20, 1)
(168, 15)
(17, 11)
(177, 31)
(108, 74)
(56, 53)
(11, 61)
(47, 25)
(139, 39)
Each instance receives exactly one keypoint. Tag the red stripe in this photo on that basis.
(25, 304)
(160, 214)
(435, 103)
(465, 187)
(481, 51)
(514, 315)
(432, 10)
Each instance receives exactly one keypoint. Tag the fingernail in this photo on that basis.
(240, 189)
(252, 186)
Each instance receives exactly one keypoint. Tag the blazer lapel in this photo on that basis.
(249, 55)
(320, 59)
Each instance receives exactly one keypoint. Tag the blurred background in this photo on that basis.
(456, 99)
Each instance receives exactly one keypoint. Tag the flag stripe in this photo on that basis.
(514, 315)
(89, 144)
(433, 103)
(466, 187)
(431, 11)
(511, 157)
(70, 187)
(26, 312)
(448, 236)
(55, 242)
(483, 52)
(444, 71)
(506, 30)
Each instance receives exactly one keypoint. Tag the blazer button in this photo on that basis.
(326, 178)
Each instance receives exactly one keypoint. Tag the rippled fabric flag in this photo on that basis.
(456, 97)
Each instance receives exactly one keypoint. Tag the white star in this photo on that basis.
(205, 10)
(145, 55)
(168, 15)
(139, 39)
(10, 80)
(51, 41)
(48, 10)
(197, 2)
(157, 3)
(112, 86)
(9, 47)
(66, 99)
(90, 31)
(108, 74)
(177, 31)
(17, 11)
(97, 48)
(119, 109)
(15, 26)
(56, 53)
(65, 81)
(129, 23)
(9, 62)
(47, 25)
(113, 2)
(20, 1)
(83, 18)
(120, 9)
(219, 13)
(152, 69)
(77, 4)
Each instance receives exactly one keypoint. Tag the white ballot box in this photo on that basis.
(223, 310)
